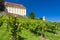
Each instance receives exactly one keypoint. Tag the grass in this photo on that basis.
(25, 34)
(52, 36)
(28, 35)
(4, 34)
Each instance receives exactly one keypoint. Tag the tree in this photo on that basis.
(41, 18)
(2, 7)
(32, 16)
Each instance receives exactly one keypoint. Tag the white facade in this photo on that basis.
(18, 11)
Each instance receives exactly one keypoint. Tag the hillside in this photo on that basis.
(28, 29)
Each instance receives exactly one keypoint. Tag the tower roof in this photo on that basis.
(9, 4)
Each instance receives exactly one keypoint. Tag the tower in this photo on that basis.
(43, 18)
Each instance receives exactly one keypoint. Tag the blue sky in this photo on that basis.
(48, 8)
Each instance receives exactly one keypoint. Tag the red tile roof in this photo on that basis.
(14, 5)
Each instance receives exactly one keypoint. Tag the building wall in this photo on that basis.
(18, 11)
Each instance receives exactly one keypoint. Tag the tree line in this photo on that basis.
(2, 7)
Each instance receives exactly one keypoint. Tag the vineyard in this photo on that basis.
(15, 28)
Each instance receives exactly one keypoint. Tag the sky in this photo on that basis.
(48, 8)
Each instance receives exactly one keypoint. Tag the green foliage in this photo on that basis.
(26, 29)
(41, 18)
(2, 7)
(32, 16)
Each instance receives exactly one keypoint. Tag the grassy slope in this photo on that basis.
(28, 35)
(25, 34)
(51, 36)
(4, 34)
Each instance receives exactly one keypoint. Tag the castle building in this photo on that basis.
(13, 8)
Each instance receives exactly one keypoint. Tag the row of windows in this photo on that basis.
(16, 11)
